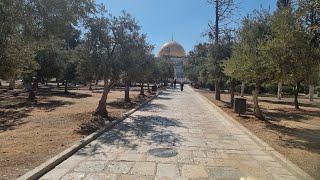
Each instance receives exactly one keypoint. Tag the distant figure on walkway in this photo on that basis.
(181, 86)
(174, 83)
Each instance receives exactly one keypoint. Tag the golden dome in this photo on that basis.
(171, 49)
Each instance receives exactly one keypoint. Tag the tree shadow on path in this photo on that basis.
(151, 130)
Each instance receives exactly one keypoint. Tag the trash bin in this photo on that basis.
(154, 88)
(240, 105)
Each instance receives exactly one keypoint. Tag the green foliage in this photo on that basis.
(86, 68)
(248, 88)
(309, 13)
(27, 27)
(16, 52)
(113, 47)
(196, 67)
(217, 55)
(318, 90)
(163, 70)
(281, 4)
(270, 88)
(247, 62)
(295, 58)
(289, 90)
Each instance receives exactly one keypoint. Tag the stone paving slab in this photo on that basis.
(208, 146)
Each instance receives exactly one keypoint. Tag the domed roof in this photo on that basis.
(171, 49)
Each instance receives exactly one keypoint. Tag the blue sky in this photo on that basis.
(185, 20)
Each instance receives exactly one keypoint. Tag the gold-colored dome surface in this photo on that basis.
(171, 49)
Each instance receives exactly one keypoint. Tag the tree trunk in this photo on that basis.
(165, 83)
(27, 85)
(216, 33)
(232, 89)
(0, 83)
(279, 90)
(97, 81)
(296, 94)
(66, 87)
(12, 83)
(242, 89)
(217, 89)
(149, 91)
(311, 93)
(32, 92)
(58, 84)
(90, 86)
(102, 107)
(141, 89)
(127, 92)
(256, 109)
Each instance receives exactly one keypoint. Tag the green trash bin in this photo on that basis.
(240, 105)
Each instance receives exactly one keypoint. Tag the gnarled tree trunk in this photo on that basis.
(66, 87)
(149, 91)
(102, 107)
(296, 94)
(32, 92)
(12, 83)
(256, 109)
(141, 89)
(217, 90)
(232, 89)
(127, 92)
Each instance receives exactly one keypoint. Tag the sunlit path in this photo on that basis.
(199, 142)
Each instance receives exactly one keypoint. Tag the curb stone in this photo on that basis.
(294, 169)
(45, 167)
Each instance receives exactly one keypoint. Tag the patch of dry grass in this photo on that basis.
(31, 133)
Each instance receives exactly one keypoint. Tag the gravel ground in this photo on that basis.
(32, 133)
(293, 133)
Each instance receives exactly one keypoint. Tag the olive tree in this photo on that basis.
(248, 62)
(295, 57)
(103, 42)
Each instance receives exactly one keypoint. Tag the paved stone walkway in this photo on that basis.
(209, 146)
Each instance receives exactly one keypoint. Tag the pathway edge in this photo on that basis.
(50, 164)
(285, 162)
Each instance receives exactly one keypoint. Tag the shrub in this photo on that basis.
(270, 88)
(210, 86)
(288, 90)
(247, 89)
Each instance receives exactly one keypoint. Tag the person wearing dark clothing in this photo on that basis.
(174, 83)
(181, 86)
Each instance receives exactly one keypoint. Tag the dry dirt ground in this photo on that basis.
(32, 133)
(293, 133)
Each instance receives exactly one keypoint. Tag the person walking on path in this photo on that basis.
(174, 83)
(181, 86)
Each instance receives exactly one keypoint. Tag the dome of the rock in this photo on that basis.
(171, 49)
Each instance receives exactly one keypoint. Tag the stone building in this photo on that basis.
(175, 54)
